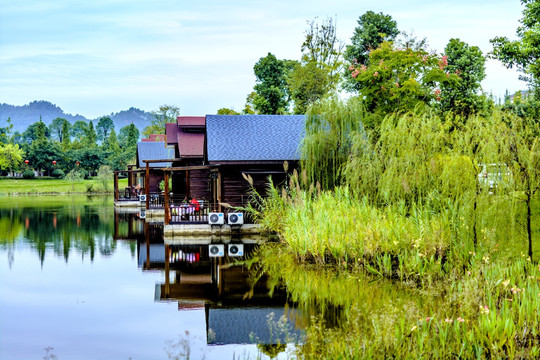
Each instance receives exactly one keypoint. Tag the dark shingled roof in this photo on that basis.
(250, 325)
(154, 151)
(254, 137)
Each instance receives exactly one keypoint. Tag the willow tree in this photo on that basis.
(521, 150)
(328, 139)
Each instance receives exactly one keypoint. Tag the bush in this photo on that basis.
(58, 173)
(28, 174)
(86, 174)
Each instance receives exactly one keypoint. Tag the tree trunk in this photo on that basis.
(529, 231)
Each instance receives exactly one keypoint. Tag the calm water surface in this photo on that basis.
(91, 284)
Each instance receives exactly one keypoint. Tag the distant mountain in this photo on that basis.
(23, 116)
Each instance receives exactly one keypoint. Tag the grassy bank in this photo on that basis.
(10, 186)
(488, 311)
(477, 292)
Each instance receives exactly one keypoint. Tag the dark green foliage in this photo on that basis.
(56, 129)
(90, 136)
(35, 131)
(524, 54)
(271, 88)
(66, 140)
(28, 174)
(90, 159)
(79, 129)
(103, 128)
(58, 173)
(468, 63)
(42, 153)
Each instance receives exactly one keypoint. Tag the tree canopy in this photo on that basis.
(271, 91)
(524, 53)
(372, 30)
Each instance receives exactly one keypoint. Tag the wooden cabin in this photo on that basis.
(187, 137)
(149, 152)
(254, 145)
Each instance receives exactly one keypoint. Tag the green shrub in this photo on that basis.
(85, 173)
(58, 173)
(28, 174)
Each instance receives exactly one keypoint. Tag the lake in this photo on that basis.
(81, 281)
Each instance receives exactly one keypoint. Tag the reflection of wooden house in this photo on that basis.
(254, 145)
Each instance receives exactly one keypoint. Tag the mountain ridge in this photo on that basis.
(24, 115)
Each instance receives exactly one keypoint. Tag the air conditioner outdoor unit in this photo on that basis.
(236, 249)
(142, 197)
(142, 214)
(216, 250)
(216, 219)
(235, 219)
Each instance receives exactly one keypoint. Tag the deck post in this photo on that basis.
(167, 270)
(147, 185)
(130, 176)
(219, 190)
(188, 190)
(166, 205)
(115, 186)
(147, 235)
(116, 220)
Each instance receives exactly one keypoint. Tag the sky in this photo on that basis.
(99, 57)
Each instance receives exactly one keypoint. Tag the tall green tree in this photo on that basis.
(468, 63)
(56, 129)
(124, 135)
(103, 128)
(372, 30)
(524, 53)
(6, 132)
(66, 138)
(90, 138)
(79, 129)
(318, 72)
(41, 154)
(165, 114)
(35, 131)
(271, 91)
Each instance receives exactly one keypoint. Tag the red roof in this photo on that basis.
(155, 137)
(190, 144)
(191, 121)
(171, 130)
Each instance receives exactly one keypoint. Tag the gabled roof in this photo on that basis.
(248, 325)
(254, 137)
(190, 121)
(154, 151)
(171, 130)
(190, 144)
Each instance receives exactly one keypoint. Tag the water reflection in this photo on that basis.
(238, 308)
(139, 290)
(82, 223)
